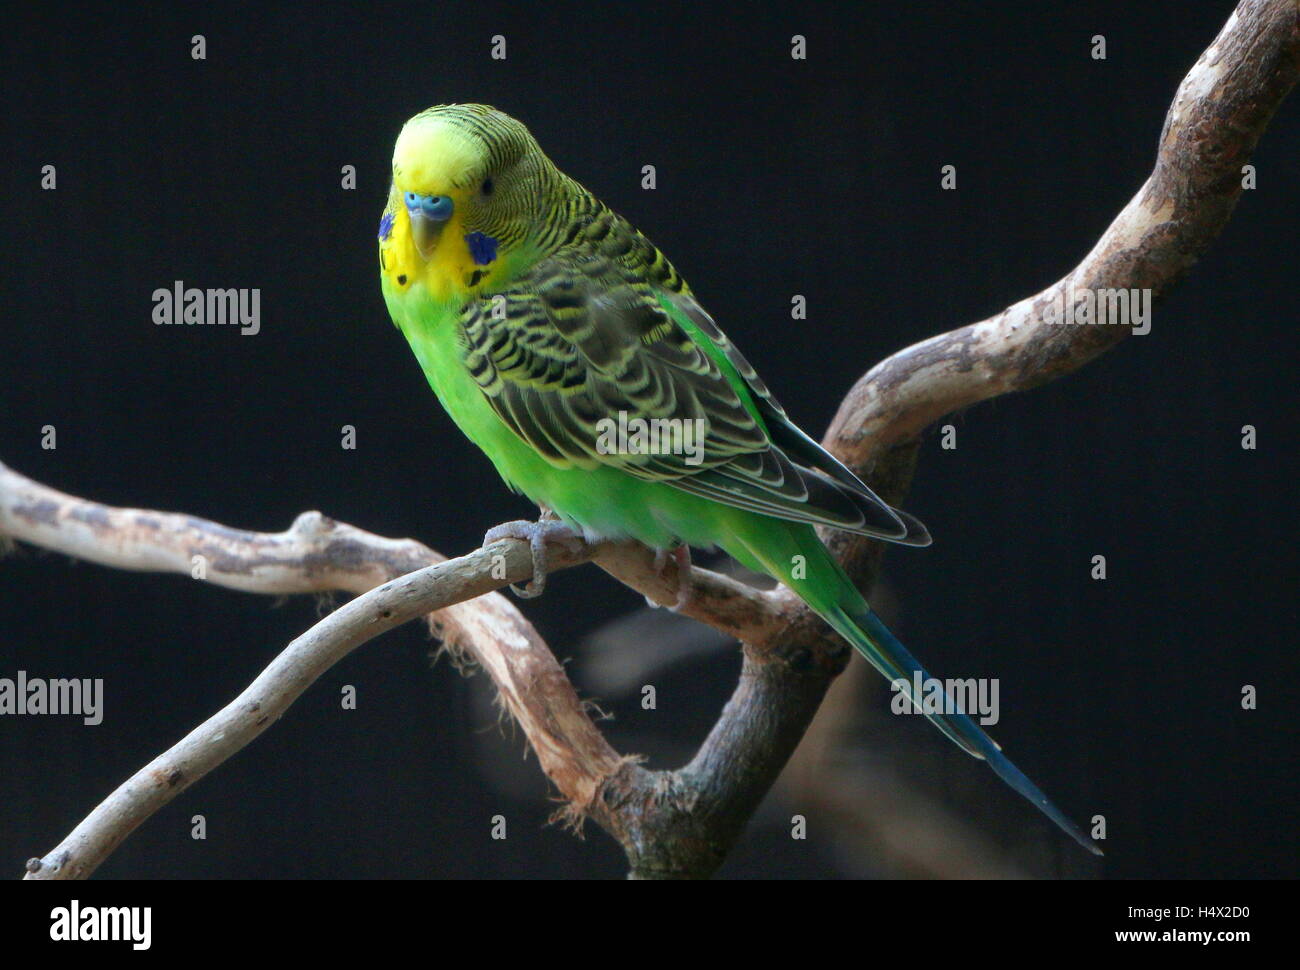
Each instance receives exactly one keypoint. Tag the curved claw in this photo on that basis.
(536, 534)
(681, 556)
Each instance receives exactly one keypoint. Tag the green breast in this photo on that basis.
(430, 329)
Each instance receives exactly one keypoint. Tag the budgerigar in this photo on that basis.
(545, 323)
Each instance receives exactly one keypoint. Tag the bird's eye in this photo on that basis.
(488, 186)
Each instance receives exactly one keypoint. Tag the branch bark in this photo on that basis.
(399, 580)
(681, 823)
(1218, 115)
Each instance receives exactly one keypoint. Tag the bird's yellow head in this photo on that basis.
(470, 189)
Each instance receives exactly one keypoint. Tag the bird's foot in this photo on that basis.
(537, 535)
(681, 557)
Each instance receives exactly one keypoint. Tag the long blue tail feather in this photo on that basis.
(877, 644)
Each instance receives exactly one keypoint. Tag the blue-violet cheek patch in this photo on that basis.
(482, 248)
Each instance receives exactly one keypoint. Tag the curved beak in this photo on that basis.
(425, 233)
(429, 214)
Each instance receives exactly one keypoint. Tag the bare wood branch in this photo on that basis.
(318, 554)
(1218, 115)
(315, 554)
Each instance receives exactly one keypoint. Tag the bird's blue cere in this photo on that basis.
(435, 207)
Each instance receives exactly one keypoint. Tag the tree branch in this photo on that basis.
(400, 580)
(1218, 115)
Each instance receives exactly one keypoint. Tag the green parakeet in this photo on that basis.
(568, 348)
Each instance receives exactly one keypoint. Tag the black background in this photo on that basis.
(775, 177)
